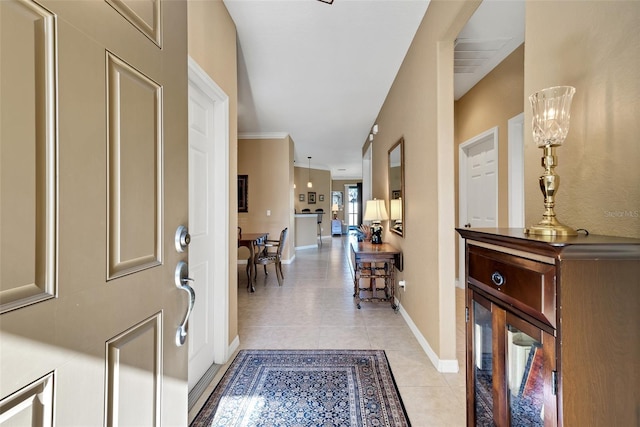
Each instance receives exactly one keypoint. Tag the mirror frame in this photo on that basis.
(398, 145)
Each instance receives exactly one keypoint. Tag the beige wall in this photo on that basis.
(268, 164)
(212, 44)
(419, 107)
(321, 180)
(491, 103)
(595, 47)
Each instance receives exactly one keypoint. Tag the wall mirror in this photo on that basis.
(396, 187)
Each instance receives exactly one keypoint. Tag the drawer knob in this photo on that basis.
(497, 278)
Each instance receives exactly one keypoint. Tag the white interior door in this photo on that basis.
(208, 226)
(478, 170)
(93, 184)
(482, 184)
(201, 325)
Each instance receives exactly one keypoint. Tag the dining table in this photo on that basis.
(249, 240)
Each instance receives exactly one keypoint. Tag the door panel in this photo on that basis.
(27, 103)
(110, 221)
(134, 370)
(134, 113)
(31, 406)
(144, 15)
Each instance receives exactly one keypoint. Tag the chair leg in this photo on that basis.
(265, 270)
(279, 274)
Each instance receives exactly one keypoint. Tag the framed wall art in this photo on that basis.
(243, 185)
(311, 197)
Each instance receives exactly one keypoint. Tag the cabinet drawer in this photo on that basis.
(522, 283)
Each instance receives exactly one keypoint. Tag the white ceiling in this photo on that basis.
(321, 72)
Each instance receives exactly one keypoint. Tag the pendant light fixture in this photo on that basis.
(309, 183)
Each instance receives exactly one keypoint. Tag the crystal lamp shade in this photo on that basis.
(551, 112)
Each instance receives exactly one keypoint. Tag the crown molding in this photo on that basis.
(262, 135)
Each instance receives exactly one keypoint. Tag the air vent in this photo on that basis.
(471, 54)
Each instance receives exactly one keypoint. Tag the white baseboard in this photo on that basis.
(289, 261)
(442, 365)
(306, 247)
(233, 347)
(284, 261)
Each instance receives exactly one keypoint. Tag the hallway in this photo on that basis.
(314, 309)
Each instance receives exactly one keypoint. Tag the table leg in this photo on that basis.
(250, 268)
(356, 284)
(392, 286)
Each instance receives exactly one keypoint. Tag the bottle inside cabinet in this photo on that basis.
(483, 364)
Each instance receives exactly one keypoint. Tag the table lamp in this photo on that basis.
(550, 124)
(335, 208)
(395, 206)
(375, 211)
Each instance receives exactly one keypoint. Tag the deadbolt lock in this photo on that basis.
(183, 238)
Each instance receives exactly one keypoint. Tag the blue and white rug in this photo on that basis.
(305, 388)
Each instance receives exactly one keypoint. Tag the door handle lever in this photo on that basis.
(182, 282)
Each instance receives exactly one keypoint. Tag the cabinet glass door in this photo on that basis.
(483, 363)
(510, 365)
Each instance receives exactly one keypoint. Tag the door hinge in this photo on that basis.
(554, 382)
(466, 314)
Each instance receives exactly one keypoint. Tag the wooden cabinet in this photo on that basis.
(553, 329)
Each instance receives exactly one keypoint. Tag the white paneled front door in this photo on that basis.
(93, 184)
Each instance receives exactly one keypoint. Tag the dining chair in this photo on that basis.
(270, 252)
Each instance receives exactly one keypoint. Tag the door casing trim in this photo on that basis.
(220, 195)
(515, 126)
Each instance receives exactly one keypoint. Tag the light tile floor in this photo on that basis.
(314, 309)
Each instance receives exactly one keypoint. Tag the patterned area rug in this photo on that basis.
(305, 388)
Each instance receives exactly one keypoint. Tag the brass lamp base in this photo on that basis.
(550, 228)
(549, 184)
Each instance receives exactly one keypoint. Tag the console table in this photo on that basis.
(373, 262)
